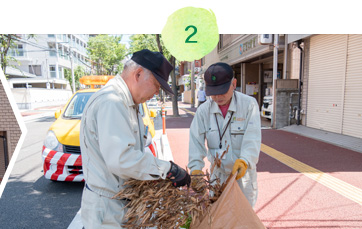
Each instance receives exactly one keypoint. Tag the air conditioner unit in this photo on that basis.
(265, 39)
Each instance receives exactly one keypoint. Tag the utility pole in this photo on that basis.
(71, 66)
(192, 84)
(285, 62)
(174, 89)
(46, 69)
(275, 74)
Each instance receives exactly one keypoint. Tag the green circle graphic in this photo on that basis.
(190, 33)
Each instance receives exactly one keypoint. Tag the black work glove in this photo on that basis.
(178, 176)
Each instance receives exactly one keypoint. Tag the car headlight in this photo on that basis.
(51, 142)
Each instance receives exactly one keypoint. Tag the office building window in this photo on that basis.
(52, 51)
(35, 69)
(18, 50)
(51, 35)
(53, 73)
(60, 73)
(60, 52)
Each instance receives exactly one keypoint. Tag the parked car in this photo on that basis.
(61, 154)
(152, 102)
(267, 108)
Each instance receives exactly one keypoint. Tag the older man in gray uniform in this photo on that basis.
(229, 120)
(112, 140)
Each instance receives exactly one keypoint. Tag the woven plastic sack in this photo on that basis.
(231, 210)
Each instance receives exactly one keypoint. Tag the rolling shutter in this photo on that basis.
(327, 71)
(352, 114)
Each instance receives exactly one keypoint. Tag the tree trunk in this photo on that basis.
(159, 43)
(160, 50)
(174, 89)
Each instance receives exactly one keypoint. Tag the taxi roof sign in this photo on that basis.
(95, 80)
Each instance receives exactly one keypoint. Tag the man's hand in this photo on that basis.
(240, 167)
(178, 176)
(197, 182)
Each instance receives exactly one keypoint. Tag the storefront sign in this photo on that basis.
(248, 45)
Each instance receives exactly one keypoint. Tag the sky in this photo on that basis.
(125, 39)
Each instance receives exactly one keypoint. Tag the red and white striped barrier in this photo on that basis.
(61, 166)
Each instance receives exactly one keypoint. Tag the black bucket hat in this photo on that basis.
(218, 79)
(157, 64)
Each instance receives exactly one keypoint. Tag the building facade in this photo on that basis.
(9, 132)
(184, 79)
(252, 62)
(332, 83)
(319, 77)
(42, 62)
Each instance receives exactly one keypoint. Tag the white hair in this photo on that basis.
(132, 65)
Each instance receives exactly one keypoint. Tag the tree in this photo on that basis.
(107, 52)
(154, 43)
(7, 42)
(79, 71)
(148, 41)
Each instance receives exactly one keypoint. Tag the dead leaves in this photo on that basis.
(158, 203)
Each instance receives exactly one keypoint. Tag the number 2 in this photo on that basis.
(192, 34)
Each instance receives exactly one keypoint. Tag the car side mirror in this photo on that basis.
(57, 114)
(153, 113)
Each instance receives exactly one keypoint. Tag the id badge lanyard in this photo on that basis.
(232, 113)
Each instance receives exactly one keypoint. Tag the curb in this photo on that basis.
(31, 118)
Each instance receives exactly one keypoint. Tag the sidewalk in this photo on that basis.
(341, 140)
(304, 182)
(41, 112)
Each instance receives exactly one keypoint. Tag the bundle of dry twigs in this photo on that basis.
(158, 203)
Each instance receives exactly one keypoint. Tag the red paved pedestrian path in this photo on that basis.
(342, 163)
(288, 198)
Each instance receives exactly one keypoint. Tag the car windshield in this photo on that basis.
(75, 108)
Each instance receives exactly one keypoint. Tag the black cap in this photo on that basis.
(218, 78)
(157, 64)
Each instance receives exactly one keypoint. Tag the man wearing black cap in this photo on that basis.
(229, 121)
(112, 140)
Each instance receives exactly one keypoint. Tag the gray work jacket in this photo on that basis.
(243, 136)
(112, 141)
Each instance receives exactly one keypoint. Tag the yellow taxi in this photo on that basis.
(62, 160)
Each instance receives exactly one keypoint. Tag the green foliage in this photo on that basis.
(188, 222)
(143, 41)
(147, 41)
(79, 72)
(8, 42)
(107, 52)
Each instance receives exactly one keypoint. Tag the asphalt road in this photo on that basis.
(31, 201)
